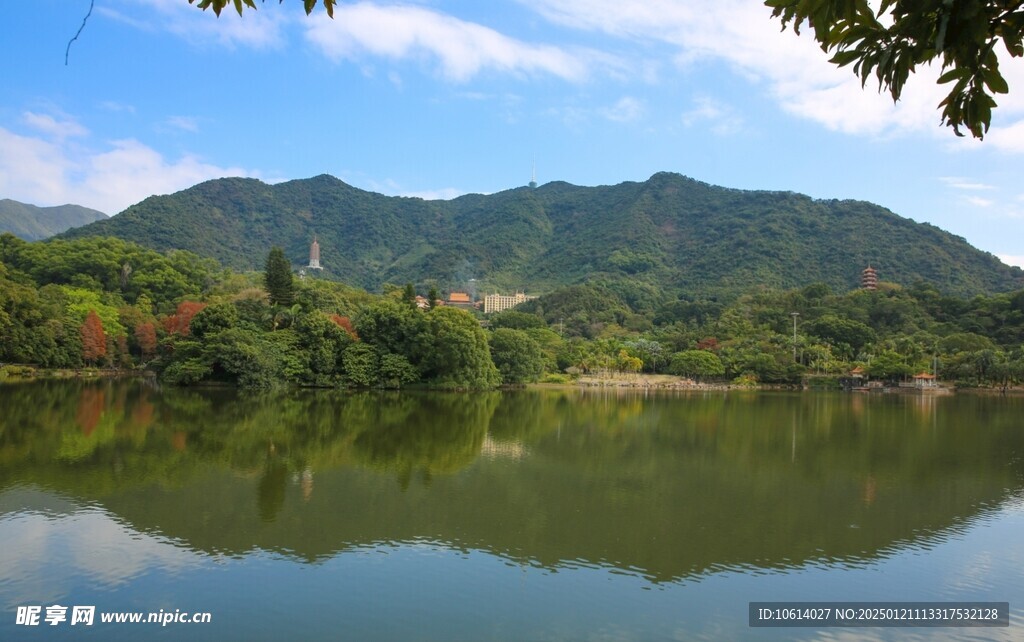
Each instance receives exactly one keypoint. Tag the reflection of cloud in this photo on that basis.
(112, 554)
(44, 554)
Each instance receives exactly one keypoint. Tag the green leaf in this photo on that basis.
(952, 74)
(995, 82)
(844, 58)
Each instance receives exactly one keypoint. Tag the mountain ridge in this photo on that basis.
(34, 223)
(668, 235)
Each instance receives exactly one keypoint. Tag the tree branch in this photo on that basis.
(67, 51)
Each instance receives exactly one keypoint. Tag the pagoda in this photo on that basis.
(314, 256)
(869, 279)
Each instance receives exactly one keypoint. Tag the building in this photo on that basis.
(314, 256)
(498, 302)
(460, 300)
(869, 279)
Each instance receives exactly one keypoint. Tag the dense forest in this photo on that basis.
(668, 235)
(106, 302)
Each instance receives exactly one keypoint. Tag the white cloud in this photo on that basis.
(256, 29)
(794, 70)
(978, 201)
(720, 118)
(461, 49)
(58, 129)
(184, 123)
(626, 109)
(116, 107)
(1011, 259)
(109, 179)
(443, 194)
(1009, 138)
(392, 187)
(957, 182)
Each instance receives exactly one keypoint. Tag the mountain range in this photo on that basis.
(669, 234)
(33, 223)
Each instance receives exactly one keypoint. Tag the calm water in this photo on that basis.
(553, 515)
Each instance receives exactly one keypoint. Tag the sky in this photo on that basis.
(437, 98)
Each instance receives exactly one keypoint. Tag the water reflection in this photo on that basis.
(667, 487)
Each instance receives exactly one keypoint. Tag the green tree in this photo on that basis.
(696, 364)
(902, 34)
(409, 295)
(362, 365)
(278, 279)
(517, 356)
(213, 319)
(888, 365)
(458, 355)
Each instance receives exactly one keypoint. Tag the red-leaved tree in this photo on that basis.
(345, 324)
(94, 341)
(145, 334)
(178, 322)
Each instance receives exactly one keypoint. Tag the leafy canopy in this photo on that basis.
(902, 34)
(218, 5)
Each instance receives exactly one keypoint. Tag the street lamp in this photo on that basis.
(794, 315)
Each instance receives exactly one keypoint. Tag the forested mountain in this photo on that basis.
(33, 223)
(669, 235)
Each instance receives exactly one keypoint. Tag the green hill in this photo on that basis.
(668, 235)
(33, 223)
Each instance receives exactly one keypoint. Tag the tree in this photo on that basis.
(94, 341)
(409, 295)
(696, 363)
(517, 356)
(145, 335)
(277, 278)
(213, 319)
(903, 34)
(180, 321)
(458, 355)
(218, 5)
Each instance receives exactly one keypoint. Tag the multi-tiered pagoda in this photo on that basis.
(314, 256)
(869, 279)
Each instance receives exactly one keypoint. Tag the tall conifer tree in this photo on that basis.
(278, 278)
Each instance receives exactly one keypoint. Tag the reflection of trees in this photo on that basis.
(729, 479)
(436, 434)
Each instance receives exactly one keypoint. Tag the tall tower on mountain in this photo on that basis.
(869, 278)
(533, 179)
(314, 256)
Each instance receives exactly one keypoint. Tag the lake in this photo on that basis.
(514, 515)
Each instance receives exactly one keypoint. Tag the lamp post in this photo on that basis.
(794, 315)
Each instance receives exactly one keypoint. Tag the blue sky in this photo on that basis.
(438, 98)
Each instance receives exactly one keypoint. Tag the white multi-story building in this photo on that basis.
(498, 302)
